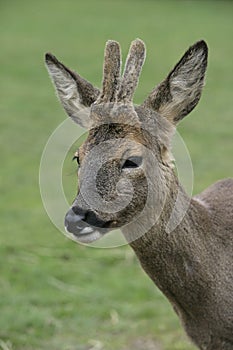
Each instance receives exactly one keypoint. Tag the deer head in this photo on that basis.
(126, 157)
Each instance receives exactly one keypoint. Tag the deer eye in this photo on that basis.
(76, 157)
(132, 162)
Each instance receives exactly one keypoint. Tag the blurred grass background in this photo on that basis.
(55, 294)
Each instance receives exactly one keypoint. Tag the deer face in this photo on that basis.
(112, 173)
(126, 157)
(112, 182)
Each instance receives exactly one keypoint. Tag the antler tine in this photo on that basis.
(133, 66)
(111, 72)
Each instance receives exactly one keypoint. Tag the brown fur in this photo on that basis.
(192, 263)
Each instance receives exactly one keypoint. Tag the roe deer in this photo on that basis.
(184, 244)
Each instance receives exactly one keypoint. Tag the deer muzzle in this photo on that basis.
(84, 225)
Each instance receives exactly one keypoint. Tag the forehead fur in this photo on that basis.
(107, 113)
(131, 123)
(106, 132)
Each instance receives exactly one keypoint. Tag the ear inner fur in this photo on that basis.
(88, 93)
(75, 93)
(179, 93)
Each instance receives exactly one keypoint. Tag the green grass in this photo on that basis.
(55, 294)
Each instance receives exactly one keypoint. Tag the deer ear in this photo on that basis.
(180, 92)
(75, 93)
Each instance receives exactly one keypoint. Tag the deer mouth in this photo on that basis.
(86, 235)
(79, 230)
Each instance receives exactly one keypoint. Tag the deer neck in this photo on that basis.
(174, 256)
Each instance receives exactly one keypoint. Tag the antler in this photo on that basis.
(133, 67)
(116, 89)
(111, 72)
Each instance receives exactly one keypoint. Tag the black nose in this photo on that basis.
(80, 221)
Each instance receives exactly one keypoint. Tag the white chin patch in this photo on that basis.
(86, 235)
